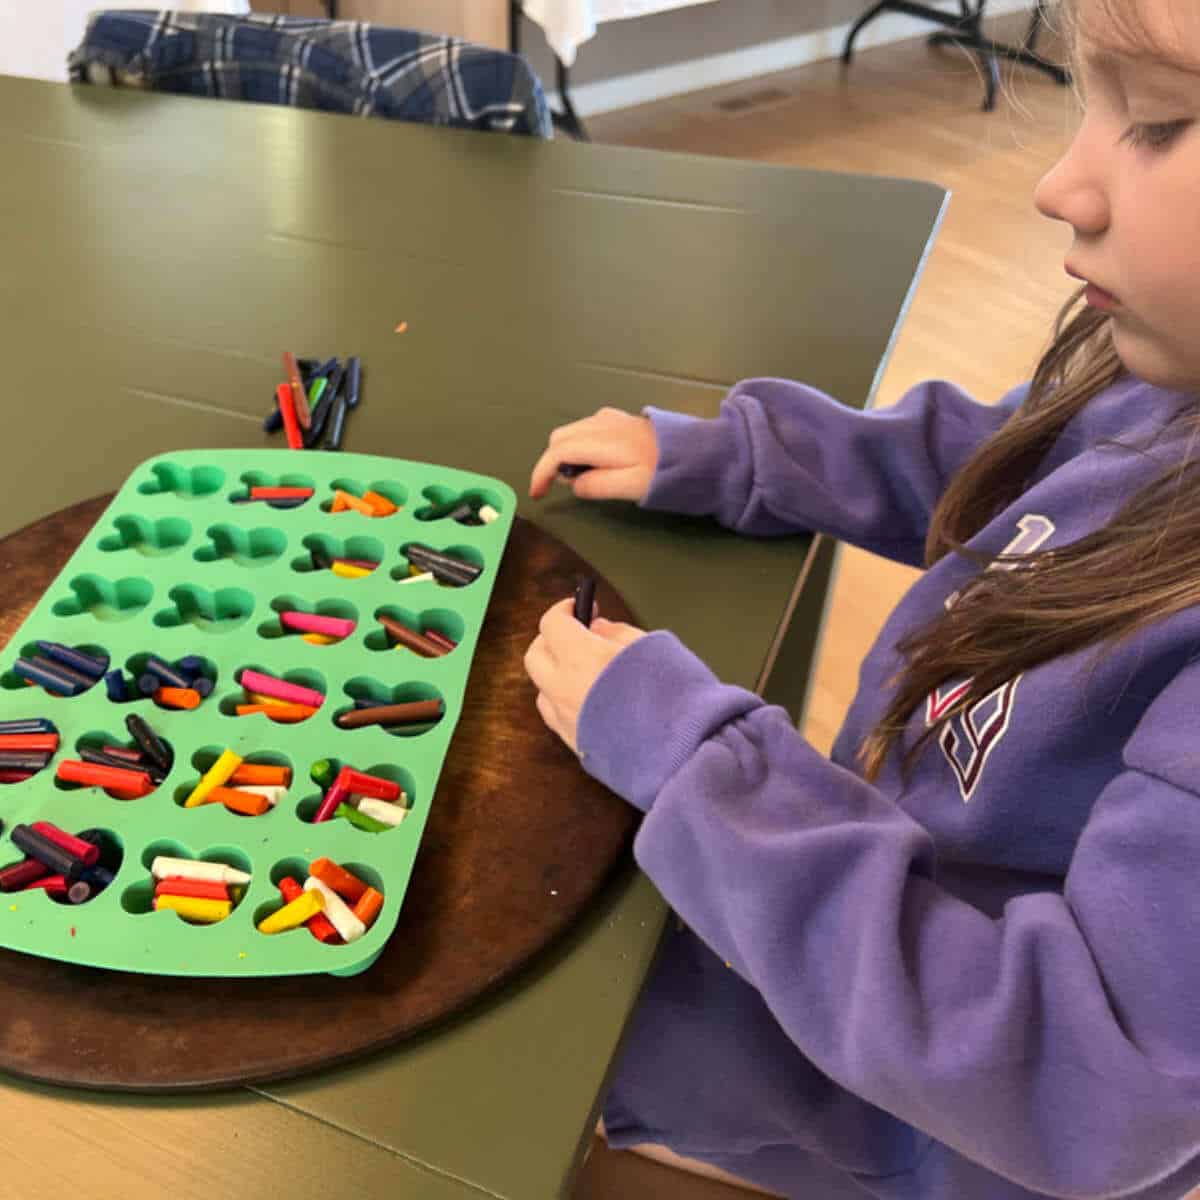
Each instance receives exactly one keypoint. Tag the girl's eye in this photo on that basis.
(1157, 136)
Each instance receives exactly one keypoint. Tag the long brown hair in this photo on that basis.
(1142, 566)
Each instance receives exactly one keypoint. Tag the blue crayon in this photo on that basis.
(28, 725)
(338, 425)
(88, 664)
(273, 422)
(166, 672)
(320, 414)
(114, 683)
(328, 366)
(148, 684)
(100, 876)
(353, 382)
(40, 671)
(191, 664)
(81, 681)
(202, 686)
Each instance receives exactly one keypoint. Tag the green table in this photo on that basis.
(156, 256)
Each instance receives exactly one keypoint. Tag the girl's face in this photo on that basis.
(1129, 184)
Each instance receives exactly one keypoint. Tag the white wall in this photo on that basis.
(36, 35)
(685, 49)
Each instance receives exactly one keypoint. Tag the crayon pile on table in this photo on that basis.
(314, 402)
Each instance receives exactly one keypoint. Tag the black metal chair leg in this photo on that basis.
(965, 31)
(858, 26)
(568, 119)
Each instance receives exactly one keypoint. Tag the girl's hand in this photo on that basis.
(620, 449)
(566, 658)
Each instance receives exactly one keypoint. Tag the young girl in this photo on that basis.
(960, 959)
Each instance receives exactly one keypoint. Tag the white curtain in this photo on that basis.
(37, 35)
(569, 23)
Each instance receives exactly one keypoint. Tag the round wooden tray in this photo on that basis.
(519, 840)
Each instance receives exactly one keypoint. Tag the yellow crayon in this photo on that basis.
(319, 639)
(346, 571)
(293, 914)
(194, 908)
(215, 776)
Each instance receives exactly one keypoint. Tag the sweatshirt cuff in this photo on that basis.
(648, 712)
(697, 464)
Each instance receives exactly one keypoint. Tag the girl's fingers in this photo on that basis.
(547, 712)
(612, 483)
(542, 476)
(558, 624)
(616, 631)
(589, 451)
(599, 423)
(540, 664)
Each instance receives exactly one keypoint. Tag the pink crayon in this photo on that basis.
(338, 627)
(268, 685)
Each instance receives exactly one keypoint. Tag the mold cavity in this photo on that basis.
(184, 483)
(245, 547)
(406, 710)
(153, 539)
(105, 599)
(211, 612)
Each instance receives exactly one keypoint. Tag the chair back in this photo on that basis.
(340, 66)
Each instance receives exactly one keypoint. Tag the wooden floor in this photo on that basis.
(981, 315)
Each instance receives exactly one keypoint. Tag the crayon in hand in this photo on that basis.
(585, 596)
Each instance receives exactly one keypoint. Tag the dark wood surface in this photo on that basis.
(519, 840)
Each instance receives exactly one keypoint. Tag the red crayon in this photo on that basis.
(296, 384)
(287, 408)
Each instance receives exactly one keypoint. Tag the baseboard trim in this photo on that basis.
(716, 70)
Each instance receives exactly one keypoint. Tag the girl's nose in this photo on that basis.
(1072, 191)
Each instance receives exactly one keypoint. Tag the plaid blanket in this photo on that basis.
(340, 66)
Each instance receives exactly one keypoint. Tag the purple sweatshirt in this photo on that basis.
(981, 985)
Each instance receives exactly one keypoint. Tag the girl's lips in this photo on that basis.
(1096, 296)
(1099, 298)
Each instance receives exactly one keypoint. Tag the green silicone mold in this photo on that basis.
(175, 567)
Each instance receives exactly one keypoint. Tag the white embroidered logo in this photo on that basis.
(969, 738)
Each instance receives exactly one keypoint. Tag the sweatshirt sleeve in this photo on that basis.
(1057, 1046)
(784, 458)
